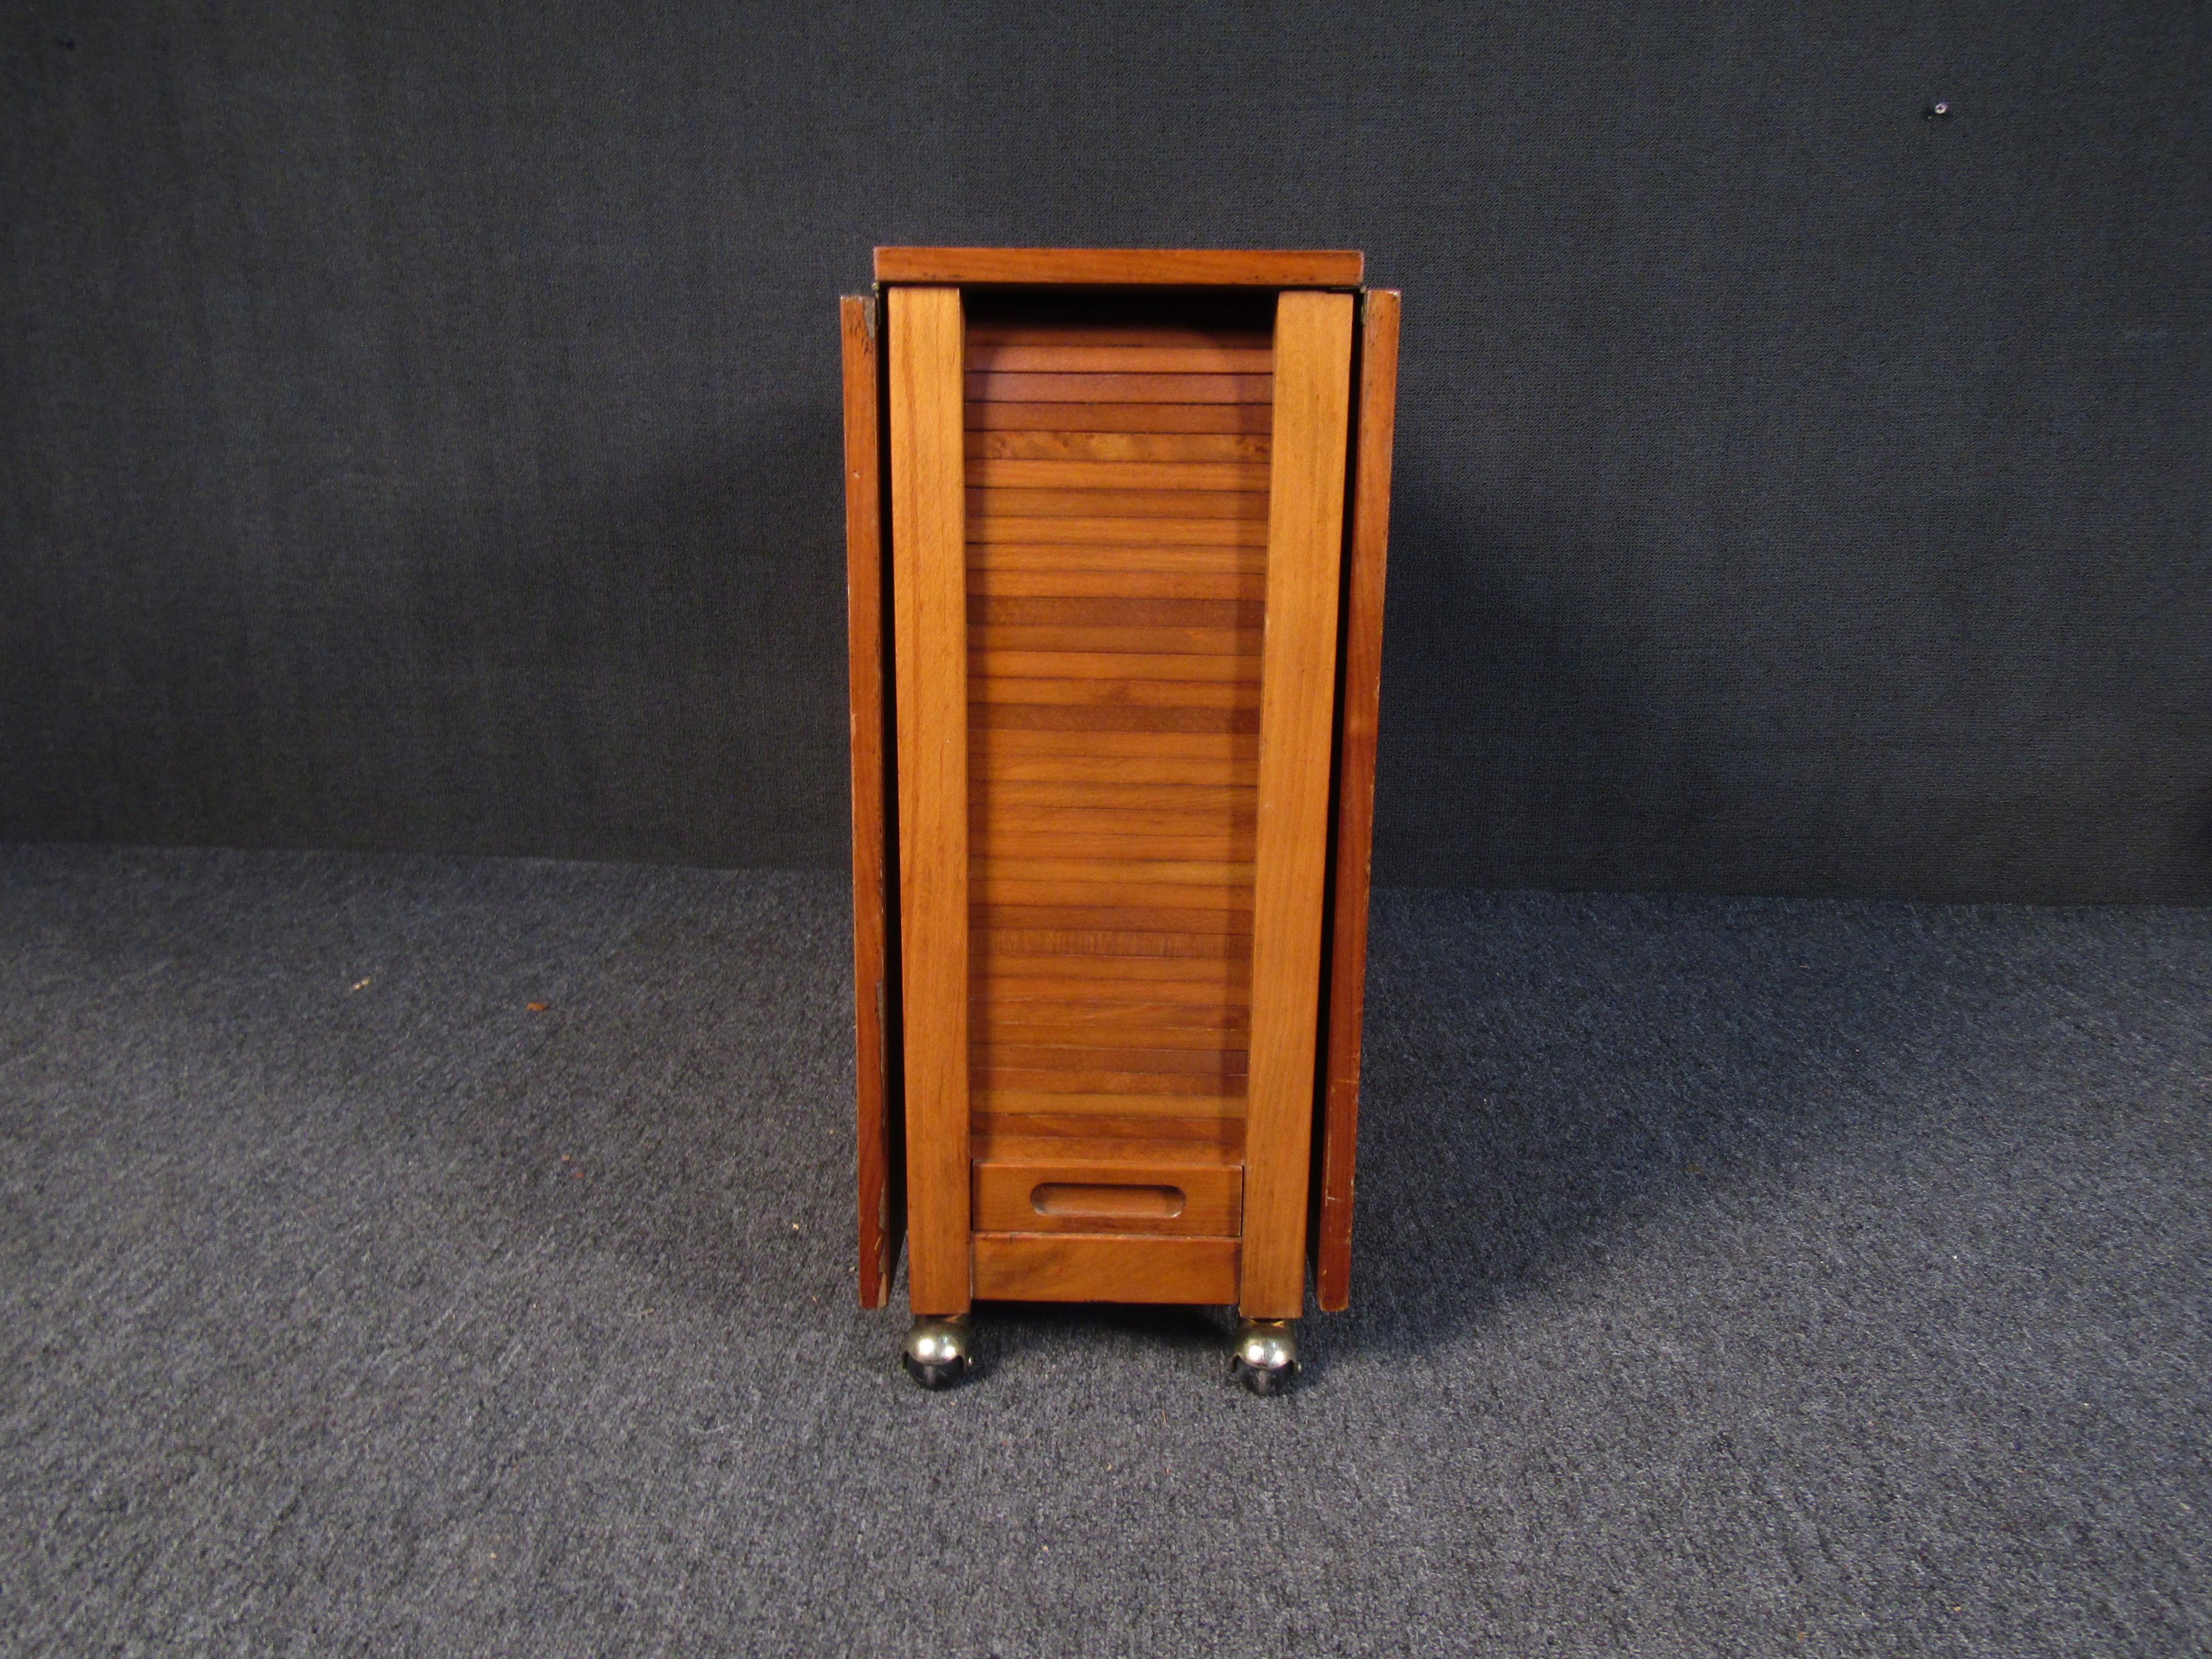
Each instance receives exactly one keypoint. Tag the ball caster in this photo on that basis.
(939, 1352)
(1264, 1358)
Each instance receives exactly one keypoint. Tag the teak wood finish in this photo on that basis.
(1357, 725)
(875, 990)
(1119, 267)
(1133, 539)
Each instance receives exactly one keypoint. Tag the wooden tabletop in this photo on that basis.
(1172, 267)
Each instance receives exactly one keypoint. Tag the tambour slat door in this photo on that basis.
(1116, 523)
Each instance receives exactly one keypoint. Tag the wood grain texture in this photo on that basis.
(1093, 1267)
(1078, 692)
(1106, 745)
(1099, 610)
(1117, 475)
(1150, 418)
(1313, 395)
(985, 334)
(1177, 447)
(1102, 717)
(1169, 919)
(1107, 559)
(1242, 667)
(1116, 267)
(993, 766)
(1048, 864)
(874, 983)
(930, 615)
(995, 644)
(1011, 387)
(1148, 952)
(993, 356)
(1122, 531)
(1238, 803)
(1209, 1143)
(1024, 841)
(1094, 500)
(1130, 1112)
(1065, 1023)
(1355, 798)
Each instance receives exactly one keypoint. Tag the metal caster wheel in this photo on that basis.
(1265, 1356)
(939, 1352)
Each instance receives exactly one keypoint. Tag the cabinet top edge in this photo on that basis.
(1113, 267)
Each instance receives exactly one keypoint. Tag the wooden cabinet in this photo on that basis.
(1116, 523)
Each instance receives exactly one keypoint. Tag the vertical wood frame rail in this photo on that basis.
(1366, 559)
(1305, 539)
(930, 609)
(875, 979)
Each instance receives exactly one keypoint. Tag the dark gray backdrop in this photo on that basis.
(418, 423)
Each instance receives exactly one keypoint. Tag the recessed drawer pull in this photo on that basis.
(1070, 1198)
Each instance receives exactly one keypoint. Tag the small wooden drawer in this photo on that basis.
(1155, 1200)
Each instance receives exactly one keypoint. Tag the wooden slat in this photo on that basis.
(994, 1015)
(1004, 753)
(996, 357)
(1113, 918)
(1110, 333)
(1091, 611)
(1313, 394)
(1355, 799)
(1102, 958)
(1207, 1142)
(1059, 865)
(1055, 1079)
(1026, 841)
(991, 887)
(1167, 448)
(1081, 1046)
(1133, 854)
(1073, 557)
(993, 643)
(1089, 1268)
(1175, 1061)
(994, 416)
(1149, 1112)
(1113, 267)
(930, 609)
(1162, 1071)
(995, 768)
(1207, 804)
(1123, 1195)
(1019, 388)
(1091, 850)
(990, 524)
(1074, 1021)
(1071, 996)
(1032, 689)
(1103, 745)
(1248, 477)
(1073, 993)
(1081, 977)
(1095, 502)
(875, 985)
(1078, 1010)
(1095, 717)
(989, 582)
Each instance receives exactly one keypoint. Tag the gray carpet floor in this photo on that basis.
(1732, 1276)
